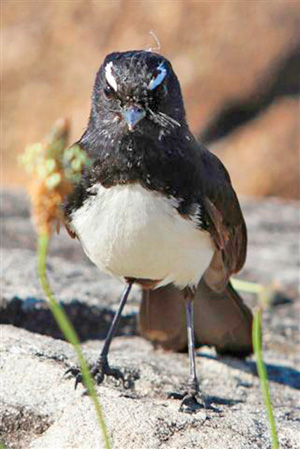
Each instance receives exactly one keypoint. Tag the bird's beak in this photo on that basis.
(132, 115)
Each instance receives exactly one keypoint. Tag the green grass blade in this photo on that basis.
(69, 333)
(262, 372)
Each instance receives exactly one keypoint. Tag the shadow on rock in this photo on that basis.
(280, 374)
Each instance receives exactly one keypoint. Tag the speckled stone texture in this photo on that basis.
(41, 409)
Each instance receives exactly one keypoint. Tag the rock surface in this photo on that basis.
(41, 409)
(56, 416)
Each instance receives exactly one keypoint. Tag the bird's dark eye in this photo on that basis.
(109, 92)
(161, 90)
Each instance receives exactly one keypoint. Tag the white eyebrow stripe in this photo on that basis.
(109, 76)
(160, 77)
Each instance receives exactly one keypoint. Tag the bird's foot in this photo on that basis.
(191, 399)
(99, 370)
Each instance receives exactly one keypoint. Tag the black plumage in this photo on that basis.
(138, 134)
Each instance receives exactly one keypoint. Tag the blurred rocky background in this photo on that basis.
(238, 63)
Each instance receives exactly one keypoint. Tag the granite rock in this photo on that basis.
(41, 409)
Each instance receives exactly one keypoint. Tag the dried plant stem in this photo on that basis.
(69, 332)
(262, 372)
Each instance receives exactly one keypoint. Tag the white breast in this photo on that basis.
(129, 231)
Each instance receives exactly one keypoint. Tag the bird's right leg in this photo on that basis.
(101, 367)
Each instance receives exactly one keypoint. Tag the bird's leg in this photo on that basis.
(101, 367)
(189, 402)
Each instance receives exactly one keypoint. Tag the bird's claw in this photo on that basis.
(191, 400)
(75, 372)
(101, 369)
(190, 404)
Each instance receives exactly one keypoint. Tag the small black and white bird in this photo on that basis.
(158, 209)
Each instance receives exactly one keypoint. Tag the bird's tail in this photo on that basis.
(221, 320)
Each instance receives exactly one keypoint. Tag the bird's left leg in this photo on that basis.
(189, 399)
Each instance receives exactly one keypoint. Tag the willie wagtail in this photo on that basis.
(156, 208)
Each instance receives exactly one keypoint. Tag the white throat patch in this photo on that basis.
(159, 78)
(109, 76)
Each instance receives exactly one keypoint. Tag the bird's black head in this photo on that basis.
(136, 92)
